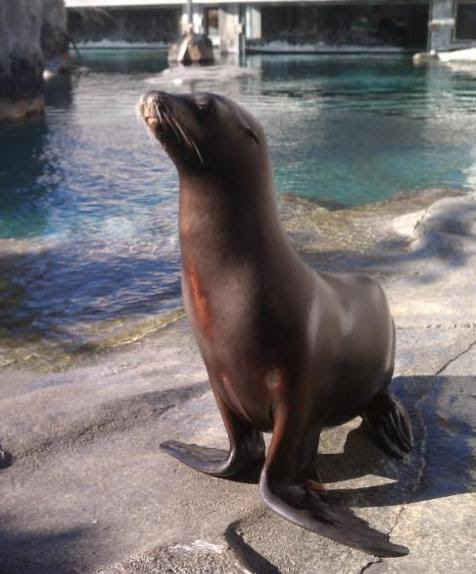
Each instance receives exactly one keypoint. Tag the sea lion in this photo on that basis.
(287, 350)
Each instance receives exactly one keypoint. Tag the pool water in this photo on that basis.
(88, 205)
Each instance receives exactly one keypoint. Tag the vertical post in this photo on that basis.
(191, 18)
(253, 22)
(441, 25)
(230, 28)
(241, 30)
(190, 14)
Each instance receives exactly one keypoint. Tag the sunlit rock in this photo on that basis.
(193, 48)
(32, 39)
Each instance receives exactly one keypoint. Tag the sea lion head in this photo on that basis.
(203, 132)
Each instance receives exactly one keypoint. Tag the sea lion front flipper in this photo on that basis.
(310, 509)
(246, 448)
(389, 425)
(208, 460)
(288, 486)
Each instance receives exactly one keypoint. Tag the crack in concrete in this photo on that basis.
(422, 467)
(422, 451)
(458, 356)
(419, 478)
(418, 223)
(441, 326)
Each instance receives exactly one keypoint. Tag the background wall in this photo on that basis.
(131, 26)
(402, 26)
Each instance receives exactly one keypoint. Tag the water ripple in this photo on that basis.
(88, 206)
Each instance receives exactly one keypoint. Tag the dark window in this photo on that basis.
(399, 25)
(465, 21)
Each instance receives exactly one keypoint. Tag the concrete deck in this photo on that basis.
(89, 491)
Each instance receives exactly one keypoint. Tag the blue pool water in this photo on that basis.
(88, 206)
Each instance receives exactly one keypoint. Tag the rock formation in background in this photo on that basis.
(32, 36)
(54, 38)
(192, 48)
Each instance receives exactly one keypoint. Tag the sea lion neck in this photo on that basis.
(222, 216)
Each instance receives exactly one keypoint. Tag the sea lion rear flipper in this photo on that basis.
(309, 508)
(389, 425)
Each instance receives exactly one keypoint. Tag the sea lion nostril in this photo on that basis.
(149, 107)
(152, 99)
(149, 100)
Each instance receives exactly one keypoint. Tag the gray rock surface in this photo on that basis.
(89, 491)
(31, 34)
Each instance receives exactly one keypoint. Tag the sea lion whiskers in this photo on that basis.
(156, 113)
(188, 140)
(143, 122)
(179, 134)
(177, 129)
(176, 125)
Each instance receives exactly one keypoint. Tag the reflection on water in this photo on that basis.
(26, 178)
(88, 210)
(359, 132)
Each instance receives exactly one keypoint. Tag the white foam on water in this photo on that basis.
(120, 229)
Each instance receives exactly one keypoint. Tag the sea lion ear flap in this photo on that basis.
(251, 133)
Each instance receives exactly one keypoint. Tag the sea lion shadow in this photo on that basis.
(360, 466)
(442, 414)
(27, 552)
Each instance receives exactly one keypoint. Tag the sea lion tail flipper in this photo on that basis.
(389, 425)
(310, 509)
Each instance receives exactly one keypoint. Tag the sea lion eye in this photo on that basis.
(251, 134)
(205, 104)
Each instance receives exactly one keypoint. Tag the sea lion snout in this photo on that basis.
(172, 122)
(152, 107)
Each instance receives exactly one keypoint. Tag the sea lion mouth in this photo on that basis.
(152, 122)
(152, 111)
(157, 110)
